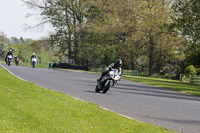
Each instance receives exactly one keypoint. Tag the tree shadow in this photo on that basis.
(153, 91)
(182, 121)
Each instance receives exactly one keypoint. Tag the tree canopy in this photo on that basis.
(148, 35)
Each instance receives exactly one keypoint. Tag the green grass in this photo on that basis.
(27, 108)
(41, 65)
(169, 84)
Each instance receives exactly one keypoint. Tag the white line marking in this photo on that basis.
(12, 73)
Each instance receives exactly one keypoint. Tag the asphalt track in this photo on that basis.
(158, 106)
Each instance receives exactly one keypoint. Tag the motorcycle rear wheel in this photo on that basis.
(33, 65)
(97, 89)
(107, 87)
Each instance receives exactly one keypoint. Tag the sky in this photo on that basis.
(13, 21)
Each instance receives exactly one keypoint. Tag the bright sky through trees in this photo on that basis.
(12, 20)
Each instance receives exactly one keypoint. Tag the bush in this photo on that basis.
(3, 50)
(198, 71)
(190, 70)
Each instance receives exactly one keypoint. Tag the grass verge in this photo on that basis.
(41, 65)
(169, 84)
(25, 107)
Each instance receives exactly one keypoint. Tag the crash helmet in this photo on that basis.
(118, 63)
(33, 53)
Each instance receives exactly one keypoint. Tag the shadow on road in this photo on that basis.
(153, 91)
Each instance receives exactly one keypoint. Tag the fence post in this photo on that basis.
(191, 79)
(50, 65)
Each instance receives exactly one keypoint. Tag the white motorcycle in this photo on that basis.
(33, 62)
(9, 59)
(108, 81)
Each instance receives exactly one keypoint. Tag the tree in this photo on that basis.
(14, 40)
(190, 70)
(3, 38)
(22, 40)
(187, 23)
(3, 50)
(95, 32)
(187, 19)
(67, 17)
(156, 43)
(3, 45)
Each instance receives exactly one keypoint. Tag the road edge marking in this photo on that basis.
(12, 73)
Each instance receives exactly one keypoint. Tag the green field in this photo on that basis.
(27, 108)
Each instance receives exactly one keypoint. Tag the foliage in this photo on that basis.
(198, 71)
(190, 70)
(25, 53)
(3, 50)
(95, 33)
(3, 38)
(4, 41)
(186, 21)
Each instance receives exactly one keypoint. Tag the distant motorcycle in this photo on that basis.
(108, 81)
(33, 62)
(16, 61)
(9, 59)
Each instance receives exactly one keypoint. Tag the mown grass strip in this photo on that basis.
(165, 83)
(27, 108)
(41, 65)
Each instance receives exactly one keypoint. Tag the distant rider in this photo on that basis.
(116, 65)
(16, 60)
(9, 53)
(33, 56)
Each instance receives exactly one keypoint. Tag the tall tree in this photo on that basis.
(67, 17)
(187, 23)
(152, 15)
(187, 19)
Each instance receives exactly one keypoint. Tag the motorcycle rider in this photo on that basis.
(16, 60)
(33, 56)
(116, 65)
(9, 53)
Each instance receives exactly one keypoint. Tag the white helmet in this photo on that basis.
(33, 53)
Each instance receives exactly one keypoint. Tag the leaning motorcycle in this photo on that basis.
(108, 81)
(33, 62)
(9, 59)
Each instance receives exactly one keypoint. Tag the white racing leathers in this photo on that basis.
(33, 62)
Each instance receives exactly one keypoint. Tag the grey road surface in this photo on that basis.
(158, 106)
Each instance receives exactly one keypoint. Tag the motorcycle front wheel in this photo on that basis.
(8, 63)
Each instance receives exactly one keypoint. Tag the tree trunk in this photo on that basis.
(151, 52)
